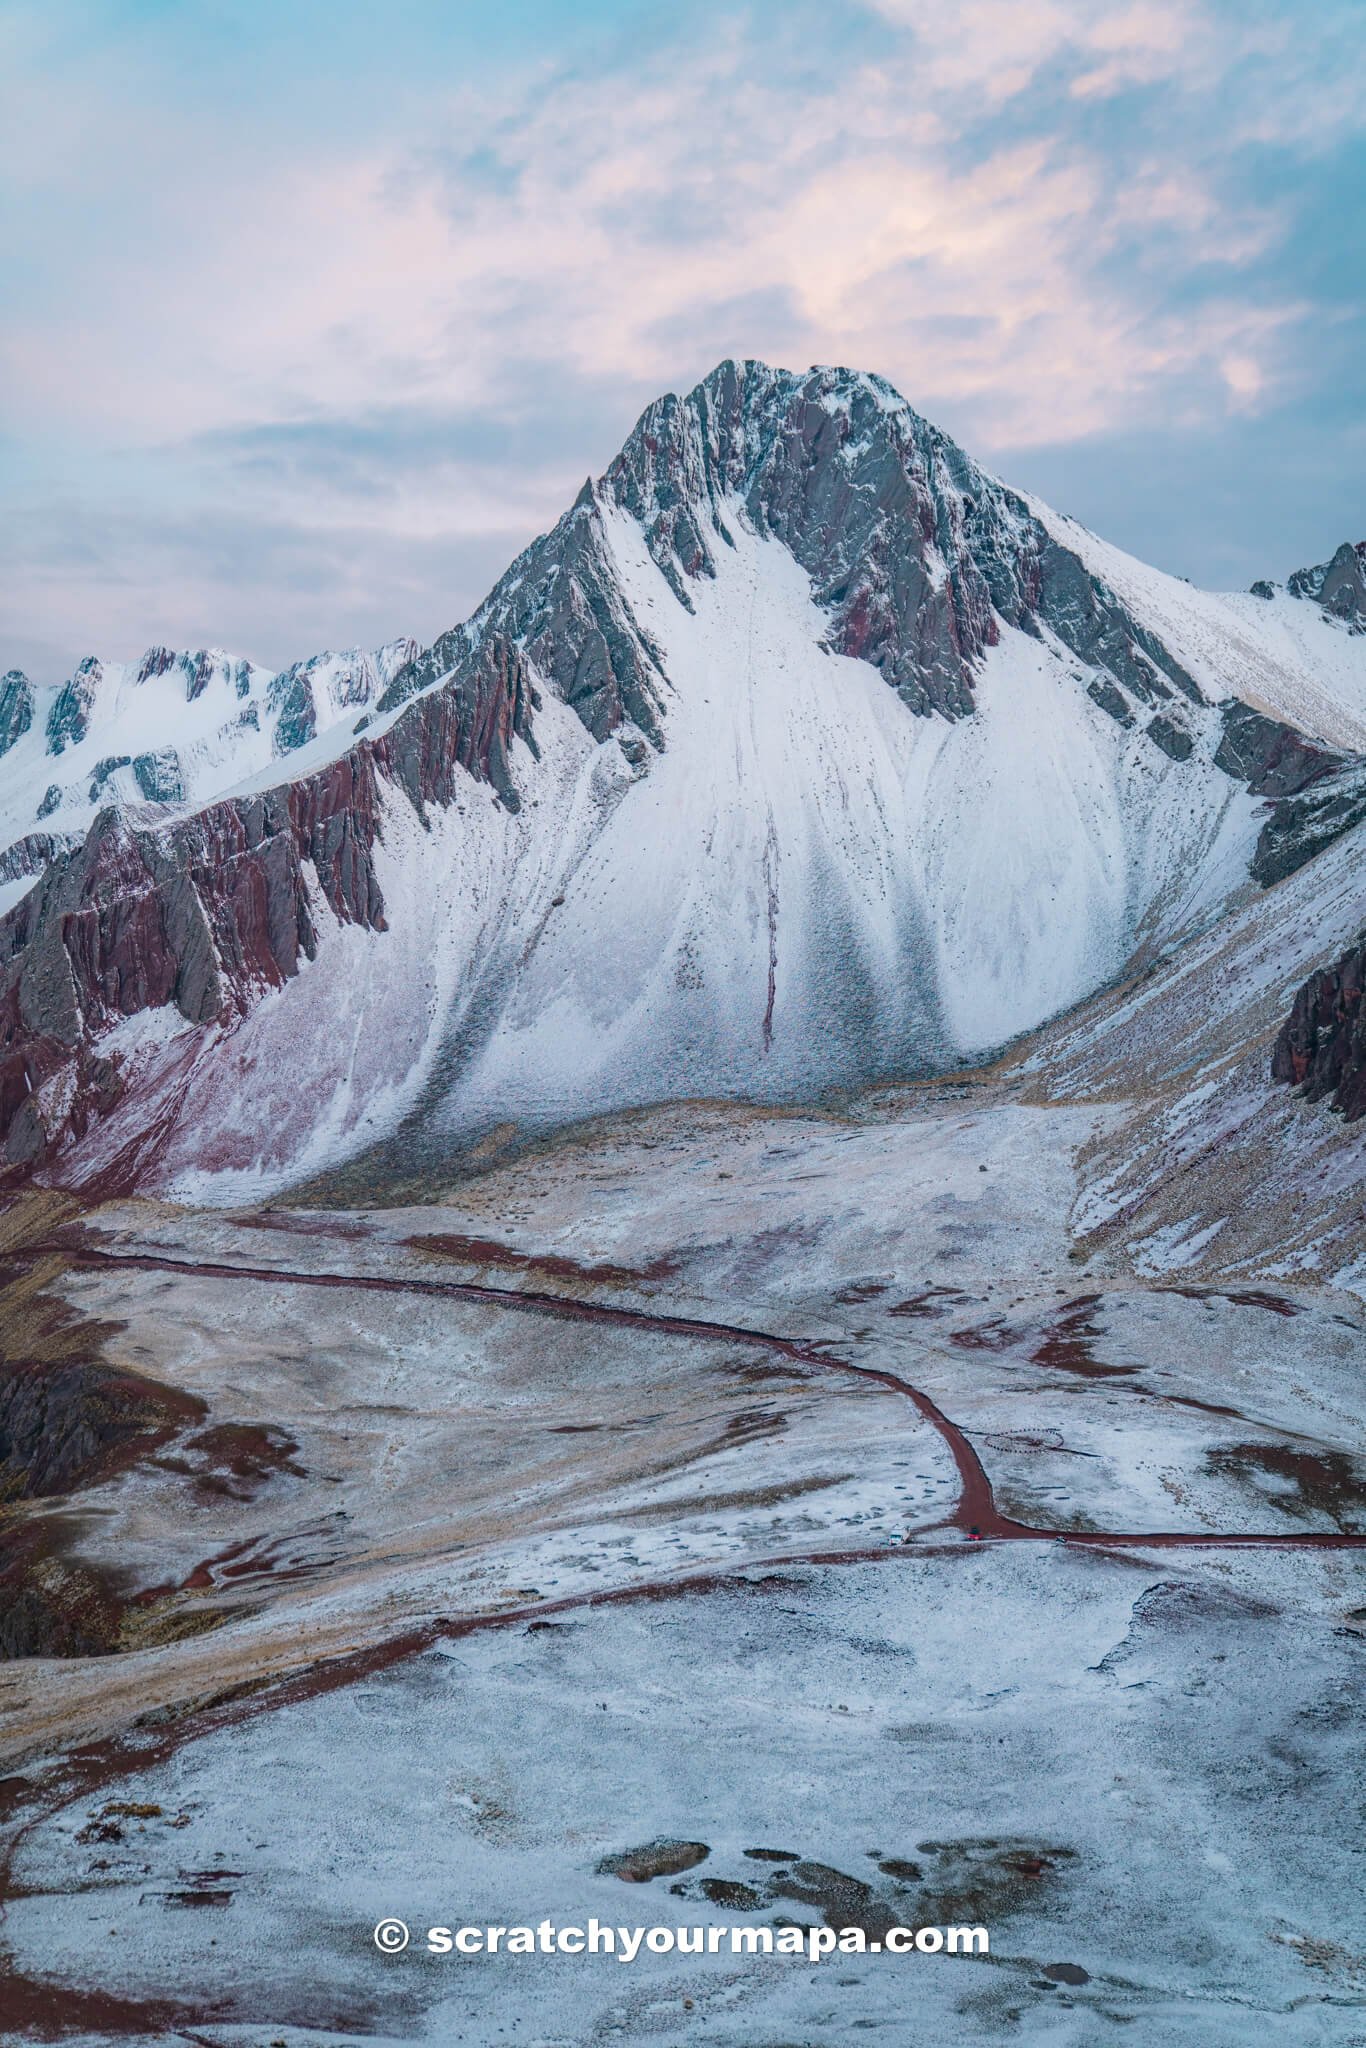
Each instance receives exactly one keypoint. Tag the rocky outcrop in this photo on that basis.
(1175, 742)
(16, 707)
(104, 772)
(467, 727)
(1303, 823)
(1314, 793)
(196, 669)
(158, 776)
(291, 699)
(561, 601)
(1272, 759)
(208, 913)
(1064, 598)
(65, 1424)
(52, 1605)
(68, 721)
(34, 852)
(1338, 585)
(1321, 1049)
(1111, 700)
(874, 504)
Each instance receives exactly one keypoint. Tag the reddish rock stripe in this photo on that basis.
(211, 911)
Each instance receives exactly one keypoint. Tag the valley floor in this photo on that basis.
(752, 1480)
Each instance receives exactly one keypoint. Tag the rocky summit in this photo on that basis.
(802, 752)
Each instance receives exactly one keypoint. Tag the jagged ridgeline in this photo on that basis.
(800, 751)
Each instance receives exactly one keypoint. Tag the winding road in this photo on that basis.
(976, 1515)
(42, 2010)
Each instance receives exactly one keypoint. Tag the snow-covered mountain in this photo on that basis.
(800, 751)
(172, 730)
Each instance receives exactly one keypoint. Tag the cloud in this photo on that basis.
(628, 216)
(1030, 214)
(997, 49)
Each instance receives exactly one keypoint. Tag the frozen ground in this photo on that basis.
(1126, 1771)
(627, 1492)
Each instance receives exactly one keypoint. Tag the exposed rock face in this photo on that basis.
(208, 913)
(874, 504)
(339, 681)
(31, 854)
(16, 707)
(1322, 1045)
(1111, 700)
(1175, 742)
(1309, 819)
(1094, 626)
(197, 669)
(158, 776)
(65, 1424)
(104, 773)
(912, 547)
(290, 696)
(69, 719)
(562, 603)
(1315, 793)
(1272, 759)
(1338, 585)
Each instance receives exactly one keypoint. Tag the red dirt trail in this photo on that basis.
(976, 1514)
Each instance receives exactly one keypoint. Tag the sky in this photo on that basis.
(316, 314)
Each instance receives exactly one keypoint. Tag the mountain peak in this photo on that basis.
(914, 554)
(928, 765)
(873, 502)
(835, 385)
(1339, 584)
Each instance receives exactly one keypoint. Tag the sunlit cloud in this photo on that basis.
(963, 202)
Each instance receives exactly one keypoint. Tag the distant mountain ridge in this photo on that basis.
(175, 728)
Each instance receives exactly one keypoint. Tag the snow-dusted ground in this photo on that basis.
(1206, 1167)
(1136, 1761)
(1133, 1772)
